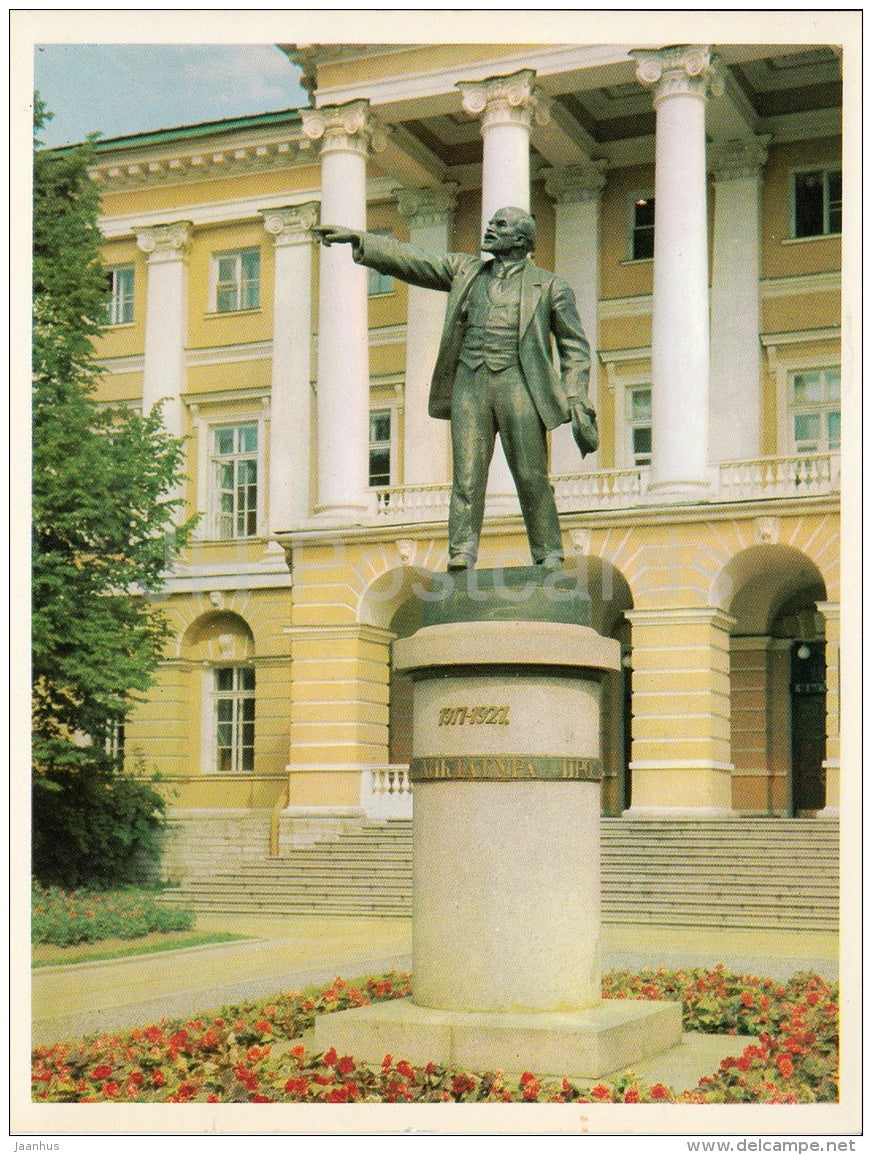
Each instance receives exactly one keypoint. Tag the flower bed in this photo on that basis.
(246, 1054)
(68, 917)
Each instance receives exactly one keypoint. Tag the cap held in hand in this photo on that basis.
(584, 429)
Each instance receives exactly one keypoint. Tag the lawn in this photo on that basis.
(252, 1053)
(48, 954)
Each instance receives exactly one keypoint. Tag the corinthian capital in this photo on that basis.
(510, 99)
(291, 224)
(577, 183)
(427, 206)
(165, 242)
(735, 159)
(347, 127)
(683, 70)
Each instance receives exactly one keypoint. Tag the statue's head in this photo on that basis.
(510, 231)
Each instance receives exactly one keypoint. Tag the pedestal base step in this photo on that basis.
(587, 1044)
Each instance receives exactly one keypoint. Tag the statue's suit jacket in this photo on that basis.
(547, 309)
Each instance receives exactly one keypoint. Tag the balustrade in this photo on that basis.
(386, 791)
(797, 475)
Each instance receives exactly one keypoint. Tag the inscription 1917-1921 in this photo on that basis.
(474, 715)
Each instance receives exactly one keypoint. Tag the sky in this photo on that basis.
(117, 89)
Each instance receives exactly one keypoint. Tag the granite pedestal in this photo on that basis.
(506, 777)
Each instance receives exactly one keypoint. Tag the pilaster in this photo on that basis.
(831, 612)
(426, 459)
(290, 433)
(681, 763)
(577, 194)
(735, 299)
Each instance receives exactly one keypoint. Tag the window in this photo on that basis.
(235, 470)
(234, 719)
(380, 283)
(642, 230)
(817, 203)
(113, 741)
(816, 410)
(237, 280)
(380, 447)
(119, 306)
(639, 424)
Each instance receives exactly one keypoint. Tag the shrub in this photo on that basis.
(68, 917)
(95, 828)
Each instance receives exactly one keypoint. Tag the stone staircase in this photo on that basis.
(754, 872)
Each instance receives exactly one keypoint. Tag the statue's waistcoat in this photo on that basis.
(492, 322)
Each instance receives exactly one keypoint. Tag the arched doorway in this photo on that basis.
(777, 681)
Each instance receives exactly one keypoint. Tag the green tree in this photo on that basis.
(105, 495)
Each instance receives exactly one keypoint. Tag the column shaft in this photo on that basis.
(166, 320)
(343, 346)
(680, 337)
(506, 105)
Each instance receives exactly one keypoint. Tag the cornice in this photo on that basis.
(232, 154)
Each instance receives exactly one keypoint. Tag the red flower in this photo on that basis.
(263, 1026)
(747, 999)
(178, 1039)
(632, 1095)
(386, 1062)
(346, 1065)
(602, 1092)
(110, 1090)
(136, 1077)
(158, 1078)
(209, 1041)
(186, 1091)
(298, 1052)
(405, 1069)
(658, 1091)
(527, 1077)
(785, 1065)
(298, 1086)
(154, 1034)
(262, 1099)
(338, 1095)
(330, 1057)
(101, 1072)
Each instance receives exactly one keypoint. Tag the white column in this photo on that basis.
(577, 192)
(427, 453)
(734, 430)
(346, 133)
(290, 429)
(166, 319)
(507, 106)
(680, 338)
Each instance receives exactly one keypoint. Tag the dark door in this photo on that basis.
(808, 724)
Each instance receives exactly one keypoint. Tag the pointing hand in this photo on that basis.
(335, 235)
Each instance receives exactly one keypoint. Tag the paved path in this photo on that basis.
(291, 952)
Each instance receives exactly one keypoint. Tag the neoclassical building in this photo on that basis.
(691, 196)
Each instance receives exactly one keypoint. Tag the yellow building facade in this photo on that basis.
(691, 197)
